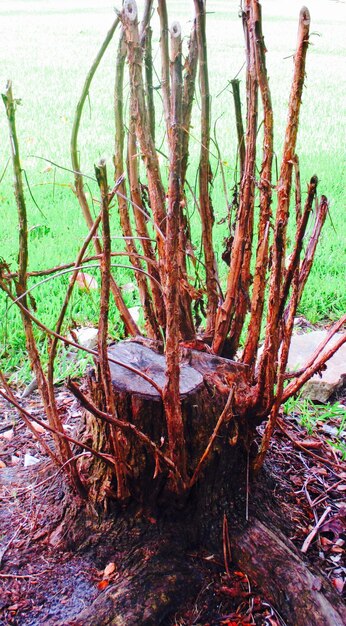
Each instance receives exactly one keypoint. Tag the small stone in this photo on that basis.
(320, 387)
(129, 288)
(30, 460)
(135, 313)
(15, 459)
(7, 434)
(86, 337)
(86, 282)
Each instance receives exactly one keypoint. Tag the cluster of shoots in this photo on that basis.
(264, 284)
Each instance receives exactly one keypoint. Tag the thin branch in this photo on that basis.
(239, 277)
(205, 176)
(129, 322)
(171, 392)
(104, 457)
(69, 342)
(151, 324)
(293, 388)
(262, 256)
(104, 368)
(267, 370)
(225, 416)
(28, 424)
(126, 427)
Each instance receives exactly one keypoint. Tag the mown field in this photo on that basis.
(46, 49)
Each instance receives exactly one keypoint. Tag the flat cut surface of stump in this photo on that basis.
(150, 363)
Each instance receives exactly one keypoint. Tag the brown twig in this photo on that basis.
(265, 186)
(29, 425)
(129, 323)
(239, 124)
(299, 445)
(62, 446)
(165, 84)
(245, 215)
(151, 324)
(298, 245)
(104, 368)
(135, 58)
(109, 460)
(306, 265)
(205, 176)
(69, 342)
(171, 392)
(126, 427)
(314, 531)
(267, 368)
(312, 369)
(239, 277)
(225, 415)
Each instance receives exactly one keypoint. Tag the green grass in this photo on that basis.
(313, 418)
(46, 49)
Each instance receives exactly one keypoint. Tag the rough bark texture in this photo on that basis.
(205, 204)
(158, 567)
(299, 595)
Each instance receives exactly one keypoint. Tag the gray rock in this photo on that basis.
(86, 337)
(320, 387)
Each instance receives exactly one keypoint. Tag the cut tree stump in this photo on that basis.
(139, 403)
(158, 564)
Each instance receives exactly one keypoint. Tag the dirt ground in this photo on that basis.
(41, 583)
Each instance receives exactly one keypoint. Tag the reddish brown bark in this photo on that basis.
(259, 282)
(105, 375)
(189, 82)
(140, 113)
(152, 326)
(267, 367)
(298, 245)
(306, 265)
(165, 84)
(141, 222)
(239, 278)
(171, 394)
(46, 390)
(205, 175)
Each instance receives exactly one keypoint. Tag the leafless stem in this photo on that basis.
(262, 257)
(225, 416)
(171, 393)
(206, 209)
(105, 374)
(267, 371)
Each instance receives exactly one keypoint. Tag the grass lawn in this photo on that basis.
(46, 48)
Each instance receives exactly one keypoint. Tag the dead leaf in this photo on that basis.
(102, 584)
(339, 584)
(2, 465)
(109, 569)
(311, 443)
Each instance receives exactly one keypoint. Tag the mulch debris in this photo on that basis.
(41, 584)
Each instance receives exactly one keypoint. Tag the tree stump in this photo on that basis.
(182, 523)
(139, 403)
